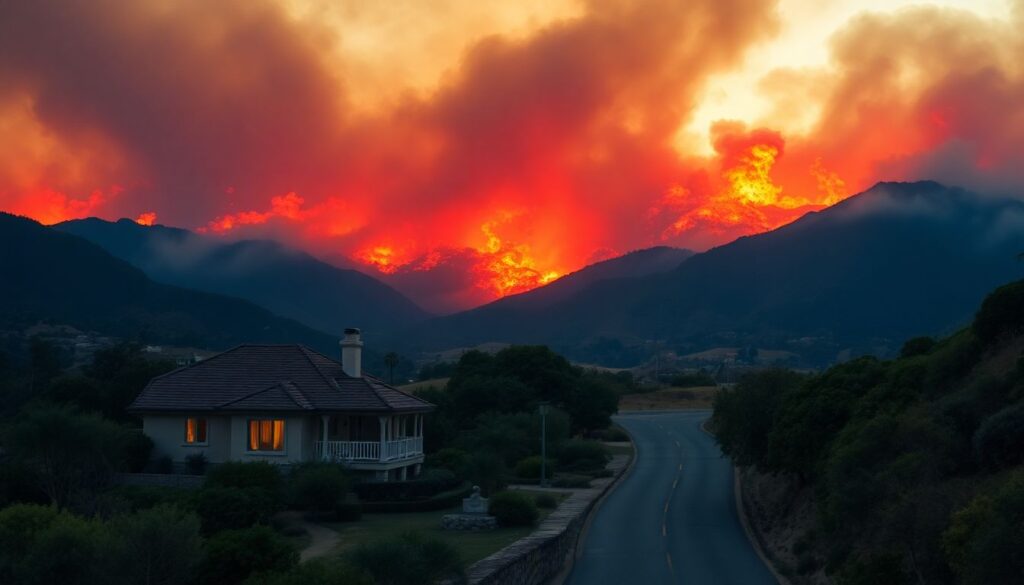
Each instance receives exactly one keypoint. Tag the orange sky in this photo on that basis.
(467, 150)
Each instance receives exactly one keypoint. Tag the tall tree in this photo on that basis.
(391, 360)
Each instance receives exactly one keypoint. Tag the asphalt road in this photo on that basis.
(673, 519)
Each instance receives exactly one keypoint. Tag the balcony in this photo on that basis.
(369, 451)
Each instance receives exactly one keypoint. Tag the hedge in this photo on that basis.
(440, 501)
(435, 482)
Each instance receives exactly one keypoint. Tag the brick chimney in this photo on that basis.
(352, 353)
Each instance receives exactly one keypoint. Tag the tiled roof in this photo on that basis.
(271, 378)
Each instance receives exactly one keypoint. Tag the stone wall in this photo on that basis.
(539, 557)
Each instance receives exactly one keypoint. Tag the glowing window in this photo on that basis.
(266, 435)
(195, 430)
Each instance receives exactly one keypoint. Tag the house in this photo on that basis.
(285, 404)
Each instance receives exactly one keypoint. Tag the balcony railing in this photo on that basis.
(345, 451)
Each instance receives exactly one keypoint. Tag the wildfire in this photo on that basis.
(508, 268)
(288, 206)
(148, 218)
(380, 257)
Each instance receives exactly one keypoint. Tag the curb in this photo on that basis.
(577, 550)
(741, 514)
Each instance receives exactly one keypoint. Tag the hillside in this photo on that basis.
(286, 281)
(902, 471)
(61, 278)
(897, 260)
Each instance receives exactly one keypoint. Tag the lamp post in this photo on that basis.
(543, 444)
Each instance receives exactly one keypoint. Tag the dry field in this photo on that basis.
(670, 399)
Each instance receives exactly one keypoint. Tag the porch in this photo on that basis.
(364, 439)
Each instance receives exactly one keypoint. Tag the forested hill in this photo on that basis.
(914, 465)
(47, 275)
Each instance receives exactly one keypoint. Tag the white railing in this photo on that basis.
(369, 450)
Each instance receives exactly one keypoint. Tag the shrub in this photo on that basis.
(409, 559)
(580, 455)
(917, 346)
(568, 480)
(137, 450)
(441, 501)
(546, 501)
(984, 540)
(70, 550)
(19, 526)
(999, 442)
(513, 509)
(195, 463)
(318, 487)
(159, 546)
(529, 468)
(454, 460)
(315, 572)
(426, 486)
(258, 474)
(224, 508)
(233, 555)
(132, 498)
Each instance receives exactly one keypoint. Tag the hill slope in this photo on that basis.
(898, 260)
(286, 281)
(53, 276)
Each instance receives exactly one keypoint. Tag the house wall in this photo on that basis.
(168, 434)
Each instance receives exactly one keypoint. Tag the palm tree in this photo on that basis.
(391, 360)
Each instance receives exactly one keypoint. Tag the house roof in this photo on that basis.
(251, 378)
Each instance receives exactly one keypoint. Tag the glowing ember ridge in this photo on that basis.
(147, 218)
(380, 257)
(288, 206)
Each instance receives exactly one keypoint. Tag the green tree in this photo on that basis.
(69, 453)
(743, 416)
(985, 540)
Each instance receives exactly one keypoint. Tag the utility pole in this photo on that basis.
(543, 444)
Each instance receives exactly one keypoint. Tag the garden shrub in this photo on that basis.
(315, 572)
(70, 549)
(454, 460)
(195, 463)
(165, 465)
(224, 508)
(409, 559)
(984, 540)
(159, 546)
(546, 501)
(19, 526)
(132, 498)
(513, 509)
(529, 467)
(233, 555)
(318, 487)
(429, 484)
(258, 474)
(138, 448)
(583, 455)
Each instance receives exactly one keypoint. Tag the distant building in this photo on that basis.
(285, 404)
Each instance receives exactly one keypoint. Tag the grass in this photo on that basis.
(620, 449)
(670, 399)
(472, 546)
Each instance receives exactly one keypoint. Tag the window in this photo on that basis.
(266, 435)
(195, 430)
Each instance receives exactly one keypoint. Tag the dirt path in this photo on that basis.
(322, 540)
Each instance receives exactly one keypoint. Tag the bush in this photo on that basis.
(314, 572)
(233, 555)
(225, 508)
(19, 526)
(611, 435)
(429, 484)
(513, 509)
(165, 465)
(137, 450)
(999, 442)
(529, 468)
(583, 455)
(441, 501)
(984, 540)
(568, 480)
(917, 346)
(409, 559)
(318, 487)
(160, 546)
(454, 460)
(546, 501)
(70, 550)
(132, 498)
(195, 463)
(259, 474)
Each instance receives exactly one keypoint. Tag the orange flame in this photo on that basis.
(148, 218)
(508, 268)
(288, 206)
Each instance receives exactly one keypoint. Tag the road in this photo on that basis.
(673, 519)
